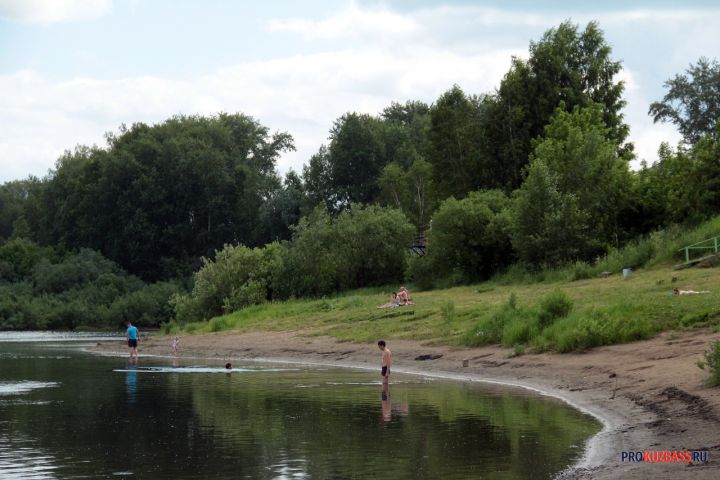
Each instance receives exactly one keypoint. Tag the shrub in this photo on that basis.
(554, 306)
(469, 239)
(712, 361)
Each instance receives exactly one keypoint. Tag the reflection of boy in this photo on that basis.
(386, 405)
(386, 361)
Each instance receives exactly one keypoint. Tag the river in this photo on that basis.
(66, 413)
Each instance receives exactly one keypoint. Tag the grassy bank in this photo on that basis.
(602, 311)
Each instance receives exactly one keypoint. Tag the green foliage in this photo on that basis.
(602, 326)
(692, 101)
(712, 361)
(237, 277)
(575, 181)
(447, 311)
(159, 197)
(469, 239)
(553, 307)
(82, 289)
(357, 156)
(548, 226)
(566, 65)
(18, 258)
(412, 191)
(364, 246)
(683, 186)
(456, 144)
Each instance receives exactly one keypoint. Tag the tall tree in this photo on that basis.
(565, 65)
(357, 155)
(456, 144)
(585, 179)
(692, 101)
(159, 197)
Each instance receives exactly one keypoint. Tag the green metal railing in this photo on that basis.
(709, 244)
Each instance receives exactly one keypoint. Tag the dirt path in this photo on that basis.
(650, 394)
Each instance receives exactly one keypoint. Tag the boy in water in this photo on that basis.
(132, 335)
(386, 361)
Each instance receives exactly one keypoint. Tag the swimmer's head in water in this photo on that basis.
(228, 366)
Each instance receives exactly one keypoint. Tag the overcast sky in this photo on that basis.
(71, 70)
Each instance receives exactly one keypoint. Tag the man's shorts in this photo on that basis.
(132, 343)
(384, 371)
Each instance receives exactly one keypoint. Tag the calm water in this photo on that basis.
(69, 414)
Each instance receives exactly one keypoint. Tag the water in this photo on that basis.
(69, 414)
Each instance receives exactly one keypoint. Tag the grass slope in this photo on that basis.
(604, 311)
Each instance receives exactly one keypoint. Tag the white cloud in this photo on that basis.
(303, 94)
(375, 56)
(51, 11)
(352, 22)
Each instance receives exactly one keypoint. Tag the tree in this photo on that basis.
(692, 101)
(470, 238)
(360, 247)
(565, 65)
(13, 199)
(456, 144)
(159, 197)
(411, 191)
(575, 172)
(548, 227)
(357, 155)
(282, 209)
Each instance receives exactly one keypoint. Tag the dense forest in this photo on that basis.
(188, 219)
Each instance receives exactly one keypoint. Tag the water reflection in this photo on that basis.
(188, 422)
(131, 383)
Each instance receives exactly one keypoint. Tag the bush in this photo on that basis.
(469, 239)
(237, 277)
(712, 361)
(366, 246)
(554, 306)
(490, 328)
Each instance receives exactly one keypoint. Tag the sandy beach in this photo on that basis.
(649, 395)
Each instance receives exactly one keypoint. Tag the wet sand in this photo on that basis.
(649, 394)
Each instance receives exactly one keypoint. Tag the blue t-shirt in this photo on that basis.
(132, 333)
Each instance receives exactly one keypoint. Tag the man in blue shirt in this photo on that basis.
(133, 335)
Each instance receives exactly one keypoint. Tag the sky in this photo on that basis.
(72, 70)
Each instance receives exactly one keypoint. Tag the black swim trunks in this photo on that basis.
(384, 371)
(132, 343)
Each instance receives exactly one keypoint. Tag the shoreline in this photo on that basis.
(641, 402)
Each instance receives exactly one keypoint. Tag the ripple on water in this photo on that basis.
(19, 388)
(18, 461)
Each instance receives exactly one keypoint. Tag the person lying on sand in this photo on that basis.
(394, 301)
(677, 291)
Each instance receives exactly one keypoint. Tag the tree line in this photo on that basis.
(535, 172)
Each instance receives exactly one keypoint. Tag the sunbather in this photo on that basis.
(394, 301)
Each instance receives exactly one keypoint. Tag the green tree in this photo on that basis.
(456, 144)
(548, 226)
(565, 65)
(692, 101)
(470, 238)
(362, 246)
(357, 156)
(160, 197)
(412, 191)
(584, 179)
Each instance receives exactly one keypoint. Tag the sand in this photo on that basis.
(649, 395)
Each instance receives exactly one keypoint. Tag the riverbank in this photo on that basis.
(649, 394)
